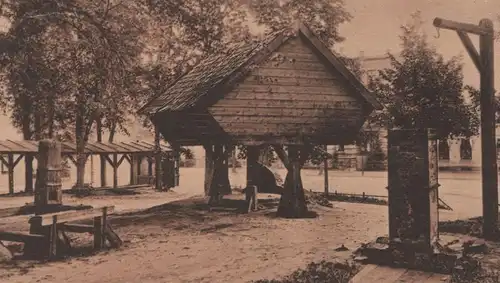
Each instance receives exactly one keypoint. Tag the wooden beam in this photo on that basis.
(280, 151)
(456, 26)
(69, 216)
(20, 237)
(488, 128)
(471, 50)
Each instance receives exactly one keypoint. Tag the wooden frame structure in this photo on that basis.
(287, 90)
(484, 62)
(115, 153)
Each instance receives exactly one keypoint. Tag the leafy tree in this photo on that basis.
(423, 90)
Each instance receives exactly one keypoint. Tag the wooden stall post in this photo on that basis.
(48, 177)
(134, 168)
(11, 173)
(115, 170)
(413, 186)
(209, 167)
(158, 170)
(28, 160)
(102, 160)
(484, 62)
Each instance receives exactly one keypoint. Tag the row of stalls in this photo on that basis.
(140, 155)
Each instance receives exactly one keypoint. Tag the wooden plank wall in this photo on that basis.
(292, 93)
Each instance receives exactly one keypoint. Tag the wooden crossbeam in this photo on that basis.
(465, 27)
(471, 50)
(69, 216)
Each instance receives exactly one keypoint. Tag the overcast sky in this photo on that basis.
(376, 27)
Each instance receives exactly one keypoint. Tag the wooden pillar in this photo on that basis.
(158, 171)
(115, 170)
(102, 160)
(209, 168)
(292, 203)
(488, 144)
(150, 166)
(413, 185)
(10, 160)
(48, 178)
(134, 169)
(28, 160)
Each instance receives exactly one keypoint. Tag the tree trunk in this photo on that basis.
(28, 160)
(102, 157)
(80, 153)
(293, 202)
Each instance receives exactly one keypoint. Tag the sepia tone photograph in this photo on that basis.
(253, 141)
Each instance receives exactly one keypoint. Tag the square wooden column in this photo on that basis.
(413, 186)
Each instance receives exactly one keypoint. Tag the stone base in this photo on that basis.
(444, 256)
(408, 254)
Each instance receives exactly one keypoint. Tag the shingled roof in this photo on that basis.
(221, 69)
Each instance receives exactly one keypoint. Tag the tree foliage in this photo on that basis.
(423, 90)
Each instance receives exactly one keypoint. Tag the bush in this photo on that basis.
(187, 163)
(323, 272)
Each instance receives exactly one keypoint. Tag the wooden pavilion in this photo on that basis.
(288, 90)
(12, 152)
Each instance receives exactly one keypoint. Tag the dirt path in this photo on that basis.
(174, 244)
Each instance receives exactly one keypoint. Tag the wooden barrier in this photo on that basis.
(47, 238)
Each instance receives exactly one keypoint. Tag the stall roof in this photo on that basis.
(27, 146)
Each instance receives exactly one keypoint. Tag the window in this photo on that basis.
(465, 149)
(443, 150)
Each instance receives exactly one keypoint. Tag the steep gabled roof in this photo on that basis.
(224, 70)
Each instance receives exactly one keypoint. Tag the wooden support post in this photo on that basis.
(115, 170)
(98, 233)
(53, 238)
(48, 178)
(102, 160)
(158, 171)
(484, 61)
(134, 169)
(209, 167)
(488, 143)
(28, 160)
(11, 173)
(293, 203)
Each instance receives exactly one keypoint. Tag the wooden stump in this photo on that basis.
(48, 178)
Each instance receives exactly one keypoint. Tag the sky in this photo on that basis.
(375, 28)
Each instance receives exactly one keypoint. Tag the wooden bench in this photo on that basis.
(47, 236)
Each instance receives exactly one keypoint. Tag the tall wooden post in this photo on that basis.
(158, 171)
(489, 158)
(484, 62)
(48, 177)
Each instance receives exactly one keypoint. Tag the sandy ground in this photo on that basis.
(179, 243)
